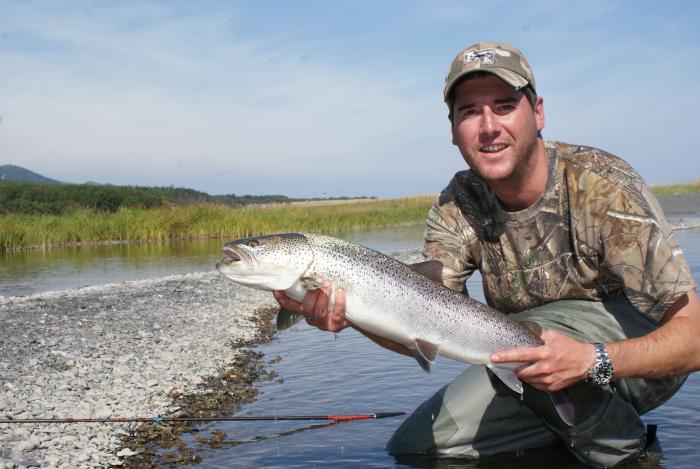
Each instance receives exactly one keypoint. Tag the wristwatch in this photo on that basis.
(601, 373)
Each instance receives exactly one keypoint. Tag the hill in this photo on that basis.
(24, 191)
(55, 199)
(10, 172)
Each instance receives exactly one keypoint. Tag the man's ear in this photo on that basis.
(539, 112)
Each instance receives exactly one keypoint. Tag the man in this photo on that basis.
(567, 237)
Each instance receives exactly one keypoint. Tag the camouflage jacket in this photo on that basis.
(597, 232)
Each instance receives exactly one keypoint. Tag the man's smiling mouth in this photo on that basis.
(493, 148)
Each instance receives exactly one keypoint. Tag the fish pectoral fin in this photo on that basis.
(426, 353)
(431, 269)
(564, 406)
(286, 319)
(508, 377)
(310, 283)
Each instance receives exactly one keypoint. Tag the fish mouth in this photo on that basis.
(232, 256)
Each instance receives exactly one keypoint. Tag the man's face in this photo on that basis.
(495, 128)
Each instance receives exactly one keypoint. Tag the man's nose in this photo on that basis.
(488, 125)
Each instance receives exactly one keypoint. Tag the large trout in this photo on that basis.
(385, 297)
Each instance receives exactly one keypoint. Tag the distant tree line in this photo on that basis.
(35, 198)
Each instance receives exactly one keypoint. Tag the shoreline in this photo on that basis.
(139, 348)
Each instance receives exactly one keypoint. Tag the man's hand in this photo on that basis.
(314, 308)
(560, 362)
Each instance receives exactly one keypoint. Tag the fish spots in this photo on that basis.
(386, 297)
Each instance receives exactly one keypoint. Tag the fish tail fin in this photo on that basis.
(564, 406)
(561, 400)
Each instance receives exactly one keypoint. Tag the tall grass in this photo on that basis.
(677, 189)
(201, 221)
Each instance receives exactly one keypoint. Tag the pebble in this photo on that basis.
(113, 350)
(126, 452)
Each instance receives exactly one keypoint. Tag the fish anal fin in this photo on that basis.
(286, 319)
(564, 406)
(508, 377)
(431, 269)
(426, 353)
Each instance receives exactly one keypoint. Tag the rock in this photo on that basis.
(25, 446)
(126, 452)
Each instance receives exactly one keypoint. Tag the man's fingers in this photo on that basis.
(322, 299)
(339, 304)
(309, 302)
(516, 355)
(285, 301)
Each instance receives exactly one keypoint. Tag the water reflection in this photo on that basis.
(27, 272)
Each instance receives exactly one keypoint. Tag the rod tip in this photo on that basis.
(383, 415)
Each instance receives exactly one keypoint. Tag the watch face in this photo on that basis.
(603, 373)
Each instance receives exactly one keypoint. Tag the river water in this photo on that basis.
(321, 373)
(34, 271)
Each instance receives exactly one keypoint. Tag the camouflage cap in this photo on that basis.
(503, 60)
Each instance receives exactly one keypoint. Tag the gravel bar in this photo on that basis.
(118, 350)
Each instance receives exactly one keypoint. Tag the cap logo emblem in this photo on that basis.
(485, 56)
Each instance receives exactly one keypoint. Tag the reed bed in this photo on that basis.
(21, 231)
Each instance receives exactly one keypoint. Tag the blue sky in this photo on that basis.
(313, 98)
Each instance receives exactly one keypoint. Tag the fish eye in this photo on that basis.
(253, 243)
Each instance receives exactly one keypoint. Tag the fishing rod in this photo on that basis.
(242, 418)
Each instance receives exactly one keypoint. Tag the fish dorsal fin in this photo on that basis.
(508, 377)
(431, 269)
(286, 319)
(426, 353)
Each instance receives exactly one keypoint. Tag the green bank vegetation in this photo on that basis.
(40, 215)
(57, 199)
(678, 189)
(82, 225)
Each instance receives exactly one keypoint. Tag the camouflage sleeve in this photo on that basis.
(641, 251)
(446, 241)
